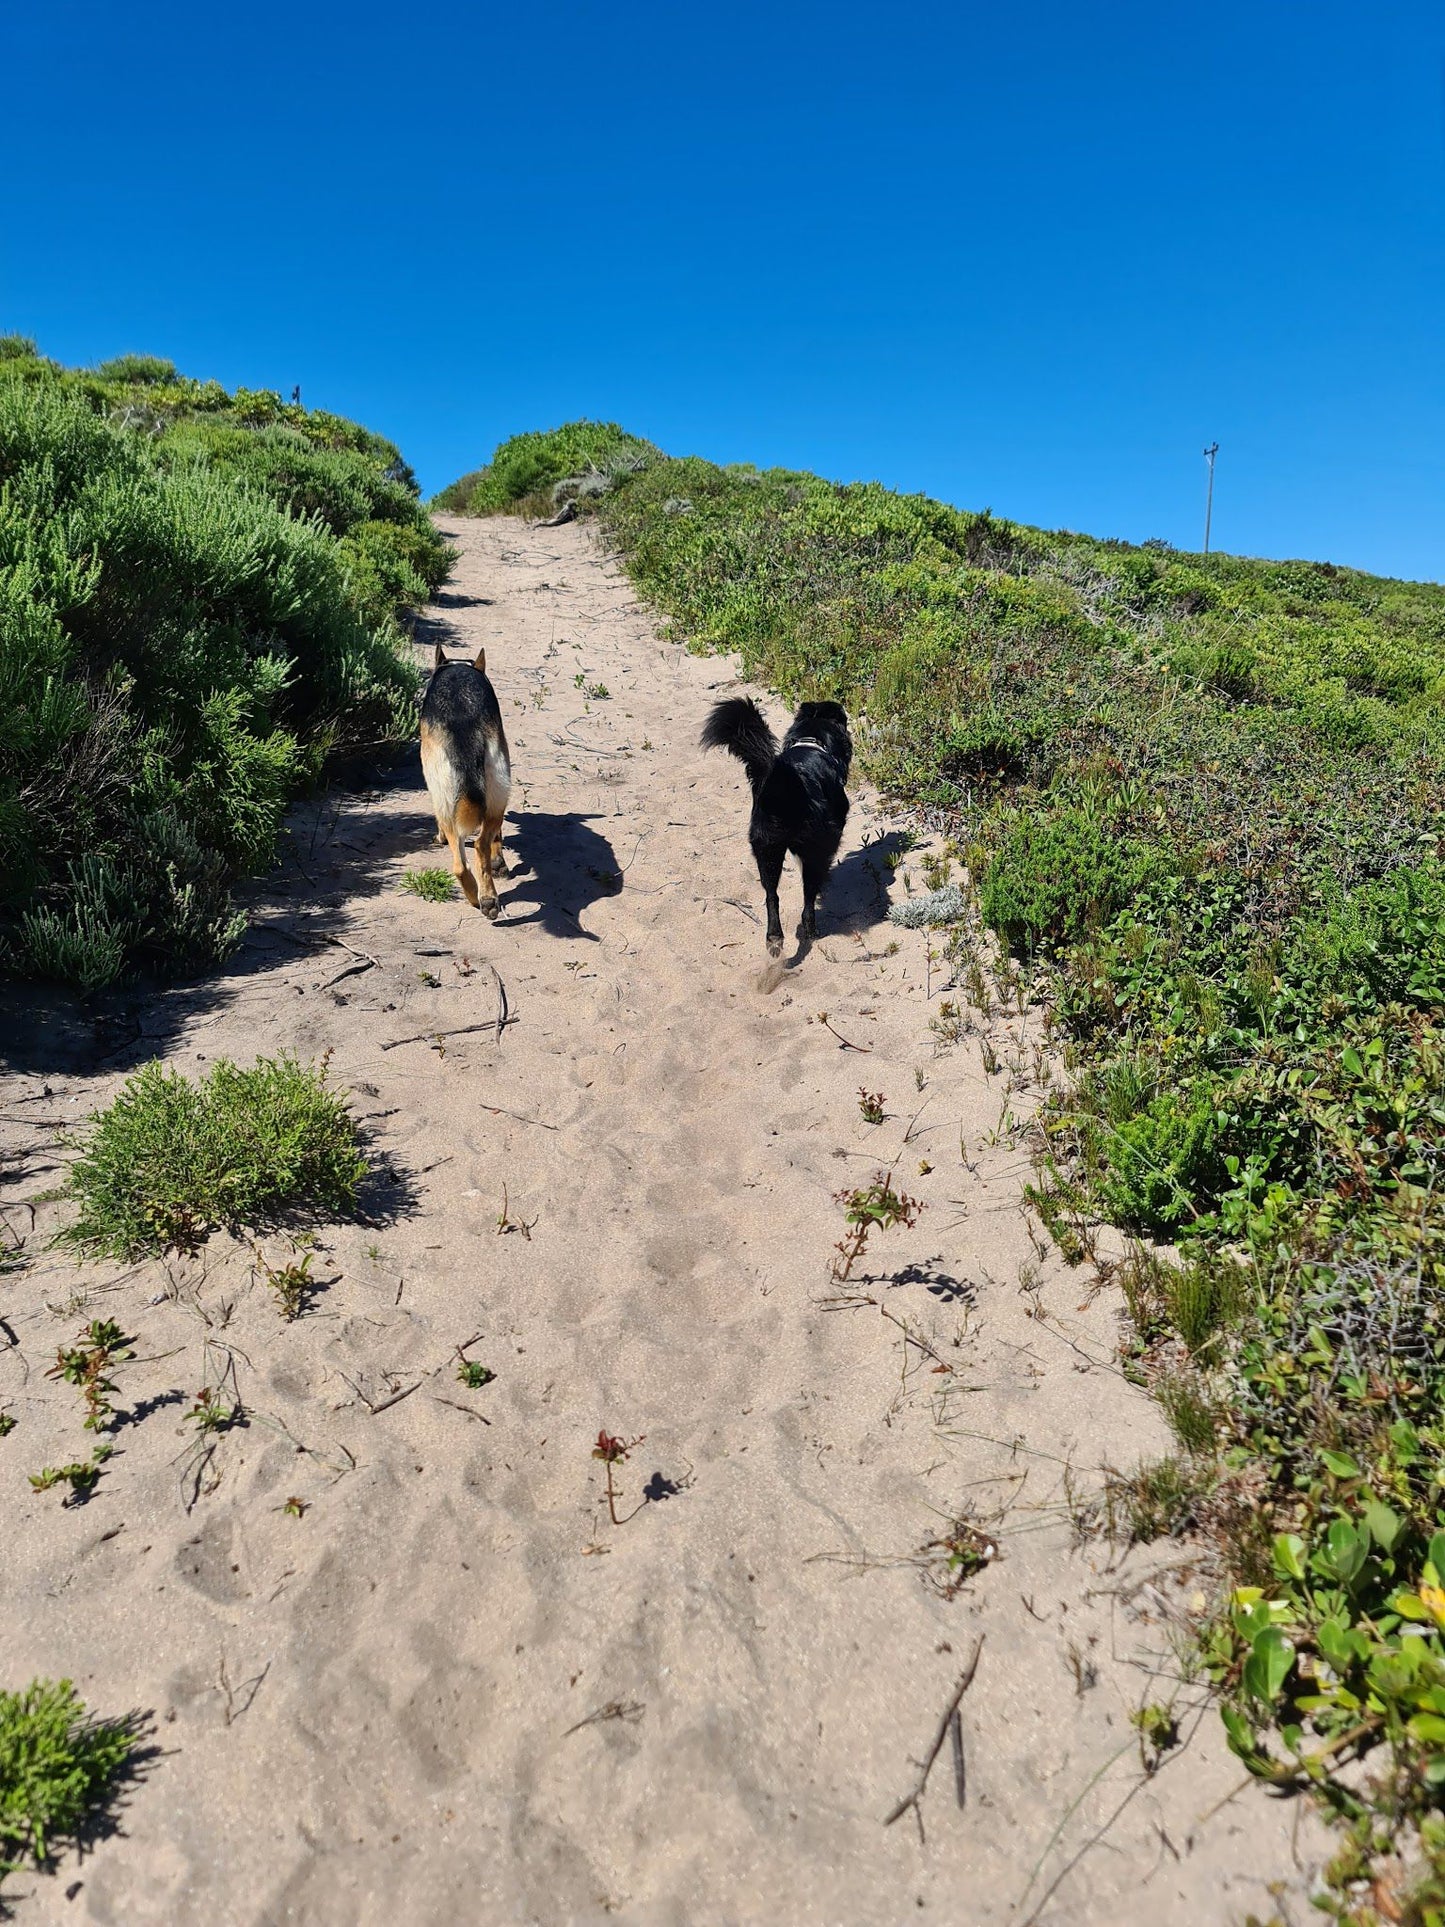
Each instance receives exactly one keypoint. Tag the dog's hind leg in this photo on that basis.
(815, 877)
(461, 869)
(471, 822)
(770, 870)
(499, 791)
(490, 841)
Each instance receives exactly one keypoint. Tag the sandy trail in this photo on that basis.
(452, 1690)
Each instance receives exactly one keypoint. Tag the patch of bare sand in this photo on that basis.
(453, 1690)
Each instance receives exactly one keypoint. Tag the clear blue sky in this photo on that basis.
(1025, 257)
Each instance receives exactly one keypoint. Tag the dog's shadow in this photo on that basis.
(857, 896)
(571, 865)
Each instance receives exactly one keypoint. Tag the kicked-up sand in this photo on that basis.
(452, 1689)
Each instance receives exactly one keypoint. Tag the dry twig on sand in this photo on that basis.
(630, 1710)
(950, 1714)
(435, 1037)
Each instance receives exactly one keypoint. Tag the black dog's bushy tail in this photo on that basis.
(740, 726)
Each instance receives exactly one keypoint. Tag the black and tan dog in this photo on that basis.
(799, 802)
(468, 772)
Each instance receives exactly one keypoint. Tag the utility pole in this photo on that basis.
(1209, 455)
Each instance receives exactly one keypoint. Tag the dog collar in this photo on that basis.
(809, 742)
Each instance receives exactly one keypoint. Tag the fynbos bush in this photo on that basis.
(192, 613)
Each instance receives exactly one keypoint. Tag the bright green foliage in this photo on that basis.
(169, 1160)
(525, 466)
(57, 1767)
(434, 886)
(194, 612)
(1053, 878)
(1206, 796)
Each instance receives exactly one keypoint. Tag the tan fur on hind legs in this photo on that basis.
(470, 822)
(461, 869)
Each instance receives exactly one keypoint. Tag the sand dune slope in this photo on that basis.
(452, 1690)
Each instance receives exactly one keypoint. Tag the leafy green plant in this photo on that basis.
(79, 1477)
(291, 1283)
(58, 1769)
(433, 886)
(871, 1106)
(213, 1412)
(473, 1374)
(1158, 1732)
(103, 1345)
(527, 466)
(1052, 879)
(878, 1206)
(169, 1160)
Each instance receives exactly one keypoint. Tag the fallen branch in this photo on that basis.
(435, 1036)
(500, 1110)
(501, 999)
(912, 1798)
(385, 1404)
(457, 1406)
(351, 970)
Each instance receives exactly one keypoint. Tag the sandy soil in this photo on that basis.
(452, 1690)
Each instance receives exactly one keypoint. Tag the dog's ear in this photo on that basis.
(439, 658)
(481, 661)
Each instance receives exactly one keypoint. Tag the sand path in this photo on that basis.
(452, 1690)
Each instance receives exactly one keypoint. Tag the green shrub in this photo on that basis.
(433, 886)
(58, 1767)
(527, 464)
(183, 640)
(135, 370)
(168, 1161)
(1054, 878)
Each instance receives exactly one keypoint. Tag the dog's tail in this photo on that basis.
(738, 725)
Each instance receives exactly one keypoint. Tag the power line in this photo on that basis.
(1209, 455)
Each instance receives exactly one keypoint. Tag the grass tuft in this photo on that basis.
(58, 1768)
(433, 886)
(169, 1160)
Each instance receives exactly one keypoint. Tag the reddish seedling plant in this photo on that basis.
(871, 1104)
(871, 1207)
(87, 1364)
(612, 1452)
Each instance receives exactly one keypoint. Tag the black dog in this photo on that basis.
(799, 802)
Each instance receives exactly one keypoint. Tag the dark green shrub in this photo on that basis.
(525, 464)
(182, 641)
(1054, 878)
(141, 371)
(168, 1161)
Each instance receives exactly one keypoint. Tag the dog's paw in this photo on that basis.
(499, 867)
(490, 908)
(775, 946)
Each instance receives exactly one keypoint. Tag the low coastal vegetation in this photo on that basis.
(199, 603)
(1201, 803)
(169, 1160)
(59, 1770)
